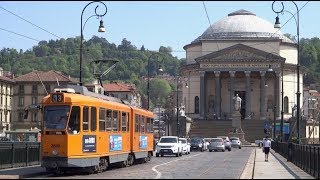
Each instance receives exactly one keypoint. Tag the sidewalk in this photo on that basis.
(276, 168)
(22, 172)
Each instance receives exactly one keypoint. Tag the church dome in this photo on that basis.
(242, 24)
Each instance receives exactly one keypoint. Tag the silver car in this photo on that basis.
(227, 142)
(216, 144)
(235, 142)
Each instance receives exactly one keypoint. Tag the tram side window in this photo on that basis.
(136, 119)
(85, 123)
(142, 124)
(102, 119)
(108, 120)
(116, 120)
(124, 121)
(148, 125)
(151, 124)
(93, 113)
(74, 121)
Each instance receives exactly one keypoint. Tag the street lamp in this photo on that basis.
(178, 77)
(177, 94)
(160, 70)
(101, 29)
(277, 25)
(282, 108)
(274, 107)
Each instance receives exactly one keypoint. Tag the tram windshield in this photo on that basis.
(55, 117)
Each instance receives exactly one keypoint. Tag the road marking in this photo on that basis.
(159, 173)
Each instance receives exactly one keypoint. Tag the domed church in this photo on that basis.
(243, 55)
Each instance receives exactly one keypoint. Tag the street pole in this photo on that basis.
(101, 29)
(277, 25)
(178, 124)
(282, 108)
(274, 122)
(148, 86)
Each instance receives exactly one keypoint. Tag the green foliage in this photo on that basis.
(159, 90)
(63, 55)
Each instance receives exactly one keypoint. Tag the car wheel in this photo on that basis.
(177, 155)
(239, 147)
(201, 149)
(223, 150)
(210, 150)
(157, 154)
(161, 155)
(229, 149)
(180, 154)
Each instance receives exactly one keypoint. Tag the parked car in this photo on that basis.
(235, 142)
(169, 145)
(217, 144)
(207, 141)
(198, 144)
(227, 142)
(185, 145)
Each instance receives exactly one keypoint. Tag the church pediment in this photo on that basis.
(239, 52)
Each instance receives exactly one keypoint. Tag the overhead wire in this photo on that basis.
(204, 5)
(252, 45)
(29, 22)
(19, 34)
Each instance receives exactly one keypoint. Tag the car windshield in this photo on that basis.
(184, 141)
(168, 140)
(216, 140)
(55, 117)
(195, 140)
(207, 140)
(234, 139)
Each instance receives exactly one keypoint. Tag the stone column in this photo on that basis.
(202, 94)
(232, 75)
(218, 93)
(277, 94)
(248, 95)
(262, 95)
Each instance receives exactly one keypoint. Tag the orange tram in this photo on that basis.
(87, 130)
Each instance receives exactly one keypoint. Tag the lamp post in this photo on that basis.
(277, 25)
(282, 108)
(101, 29)
(178, 123)
(148, 86)
(274, 107)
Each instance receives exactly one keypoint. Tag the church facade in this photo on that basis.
(245, 55)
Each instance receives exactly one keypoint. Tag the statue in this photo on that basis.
(237, 102)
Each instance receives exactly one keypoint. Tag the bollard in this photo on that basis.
(289, 151)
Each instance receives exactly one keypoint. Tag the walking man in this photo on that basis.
(266, 147)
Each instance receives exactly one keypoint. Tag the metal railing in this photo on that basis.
(306, 157)
(19, 154)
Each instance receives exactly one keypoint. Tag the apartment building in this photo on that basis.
(29, 89)
(123, 91)
(6, 86)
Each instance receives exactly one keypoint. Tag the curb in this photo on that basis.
(248, 170)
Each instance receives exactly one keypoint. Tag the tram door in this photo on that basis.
(242, 95)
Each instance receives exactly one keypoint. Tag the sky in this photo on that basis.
(149, 23)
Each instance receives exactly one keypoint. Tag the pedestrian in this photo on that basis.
(266, 147)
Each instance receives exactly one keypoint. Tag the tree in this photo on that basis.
(159, 90)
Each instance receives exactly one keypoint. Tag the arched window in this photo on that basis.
(196, 105)
(286, 104)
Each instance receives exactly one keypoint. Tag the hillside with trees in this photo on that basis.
(63, 55)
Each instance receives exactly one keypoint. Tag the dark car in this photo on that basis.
(4, 139)
(197, 144)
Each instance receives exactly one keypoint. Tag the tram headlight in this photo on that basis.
(54, 152)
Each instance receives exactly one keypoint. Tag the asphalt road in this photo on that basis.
(197, 165)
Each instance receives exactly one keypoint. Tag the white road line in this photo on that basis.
(159, 173)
